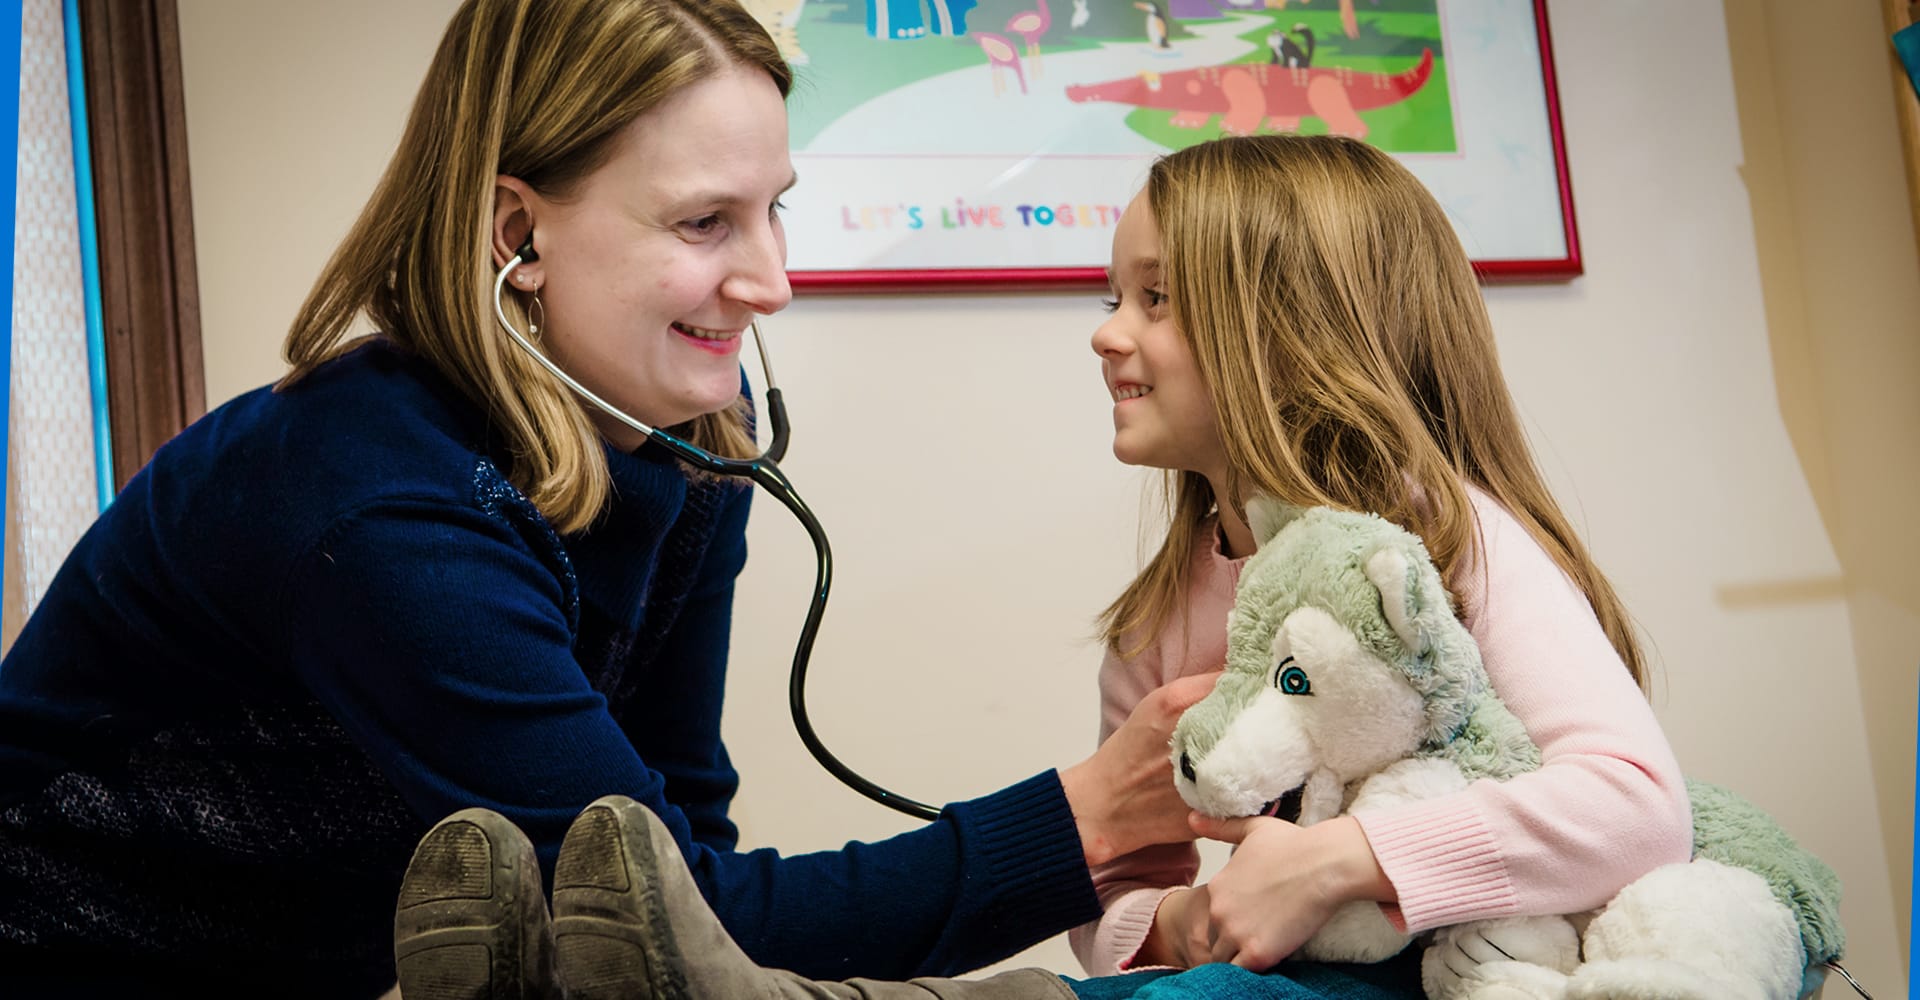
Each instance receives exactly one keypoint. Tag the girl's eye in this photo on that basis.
(1110, 304)
(1155, 299)
(778, 207)
(1290, 679)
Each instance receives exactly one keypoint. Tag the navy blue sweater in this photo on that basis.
(322, 619)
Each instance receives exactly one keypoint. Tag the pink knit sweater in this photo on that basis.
(1606, 806)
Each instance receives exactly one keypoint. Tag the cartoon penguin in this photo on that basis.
(1287, 52)
(1080, 15)
(1157, 26)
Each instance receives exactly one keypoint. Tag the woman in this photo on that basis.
(419, 575)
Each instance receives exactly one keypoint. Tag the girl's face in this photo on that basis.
(1162, 414)
(651, 269)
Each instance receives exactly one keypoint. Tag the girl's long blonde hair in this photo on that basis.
(1336, 322)
(539, 90)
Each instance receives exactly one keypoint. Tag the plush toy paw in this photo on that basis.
(1457, 953)
(1505, 991)
(1700, 929)
(1650, 979)
(1504, 980)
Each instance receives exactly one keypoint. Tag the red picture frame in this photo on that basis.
(1525, 48)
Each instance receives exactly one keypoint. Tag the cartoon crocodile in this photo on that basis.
(1247, 95)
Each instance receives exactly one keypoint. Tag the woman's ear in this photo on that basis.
(513, 204)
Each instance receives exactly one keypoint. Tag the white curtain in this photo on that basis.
(52, 492)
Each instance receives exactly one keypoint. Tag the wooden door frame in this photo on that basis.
(143, 210)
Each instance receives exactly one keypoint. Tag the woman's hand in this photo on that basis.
(1123, 797)
(1282, 884)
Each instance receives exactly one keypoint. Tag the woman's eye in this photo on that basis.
(778, 207)
(1290, 679)
(704, 225)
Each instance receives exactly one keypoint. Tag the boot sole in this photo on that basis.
(611, 932)
(471, 921)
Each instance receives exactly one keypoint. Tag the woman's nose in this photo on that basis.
(761, 282)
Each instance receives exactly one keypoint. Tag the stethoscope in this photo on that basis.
(766, 472)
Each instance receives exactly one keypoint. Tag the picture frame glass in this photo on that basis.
(956, 142)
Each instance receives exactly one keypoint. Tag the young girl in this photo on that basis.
(1295, 317)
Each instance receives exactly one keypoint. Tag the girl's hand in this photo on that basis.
(1123, 797)
(1283, 883)
(1182, 934)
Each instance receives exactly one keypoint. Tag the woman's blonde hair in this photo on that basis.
(539, 90)
(1337, 324)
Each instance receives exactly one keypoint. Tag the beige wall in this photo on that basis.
(1702, 399)
(1842, 293)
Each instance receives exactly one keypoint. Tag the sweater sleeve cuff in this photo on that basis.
(1025, 844)
(1126, 928)
(1443, 862)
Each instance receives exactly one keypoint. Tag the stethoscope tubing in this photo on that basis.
(765, 471)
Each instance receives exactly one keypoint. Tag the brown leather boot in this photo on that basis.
(471, 920)
(630, 924)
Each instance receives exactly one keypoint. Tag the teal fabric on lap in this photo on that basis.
(1395, 979)
(1118, 987)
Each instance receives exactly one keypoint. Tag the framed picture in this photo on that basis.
(946, 144)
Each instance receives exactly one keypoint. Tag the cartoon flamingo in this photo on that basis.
(1000, 52)
(1030, 25)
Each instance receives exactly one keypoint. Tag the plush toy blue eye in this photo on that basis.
(1290, 679)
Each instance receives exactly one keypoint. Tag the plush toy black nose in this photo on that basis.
(1186, 767)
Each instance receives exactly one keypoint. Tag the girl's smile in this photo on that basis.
(1162, 413)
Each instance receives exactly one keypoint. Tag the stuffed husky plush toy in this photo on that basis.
(1350, 682)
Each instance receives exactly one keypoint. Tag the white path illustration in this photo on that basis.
(957, 113)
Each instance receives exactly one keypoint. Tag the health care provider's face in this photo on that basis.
(651, 269)
(1162, 413)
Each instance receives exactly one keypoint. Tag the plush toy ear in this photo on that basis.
(1392, 574)
(1266, 516)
